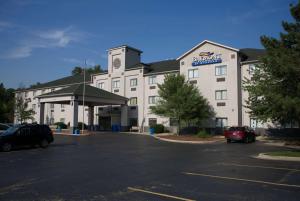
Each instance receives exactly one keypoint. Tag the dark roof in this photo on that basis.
(74, 79)
(162, 66)
(127, 46)
(138, 65)
(90, 91)
(251, 54)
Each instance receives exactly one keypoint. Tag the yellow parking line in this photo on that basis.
(257, 166)
(239, 179)
(159, 194)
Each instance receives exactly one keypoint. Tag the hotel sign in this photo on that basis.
(206, 58)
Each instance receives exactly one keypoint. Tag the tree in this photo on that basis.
(6, 104)
(181, 100)
(79, 70)
(274, 90)
(22, 111)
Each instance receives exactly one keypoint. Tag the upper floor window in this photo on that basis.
(33, 106)
(62, 106)
(193, 73)
(101, 85)
(33, 93)
(51, 105)
(152, 99)
(116, 84)
(133, 101)
(252, 69)
(221, 70)
(26, 94)
(221, 94)
(43, 91)
(133, 82)
(152, 79)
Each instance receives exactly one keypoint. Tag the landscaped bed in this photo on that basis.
(295, 153)
(192, 138)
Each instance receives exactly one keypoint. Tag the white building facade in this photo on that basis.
(217, 70)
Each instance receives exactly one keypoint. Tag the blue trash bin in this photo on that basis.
(151, 130)
(77, 131)
(58, 130)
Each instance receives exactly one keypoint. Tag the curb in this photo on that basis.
(187, 142)
(279, 158)
(70, 134)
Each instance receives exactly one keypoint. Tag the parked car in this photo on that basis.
(4, 127)
(237, 133)
(26, 135)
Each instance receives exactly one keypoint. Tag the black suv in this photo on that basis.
(24, 135)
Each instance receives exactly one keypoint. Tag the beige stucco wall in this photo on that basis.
(207, 84)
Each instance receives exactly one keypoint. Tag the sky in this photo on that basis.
(43, 40)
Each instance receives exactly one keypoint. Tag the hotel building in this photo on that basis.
(123, 94)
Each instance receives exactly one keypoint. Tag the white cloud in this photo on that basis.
(55, 38)
(5, 25)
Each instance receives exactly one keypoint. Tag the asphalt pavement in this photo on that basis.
(117, 167)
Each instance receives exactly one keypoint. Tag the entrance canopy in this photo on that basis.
(73, 95)
(92, 97)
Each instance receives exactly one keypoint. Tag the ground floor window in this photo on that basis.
(173, 122)
(221, 122)
(133, 122)
(152, 121)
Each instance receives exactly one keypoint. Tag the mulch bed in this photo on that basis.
(191, 138)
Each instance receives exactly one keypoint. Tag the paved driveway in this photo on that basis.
(121, 167)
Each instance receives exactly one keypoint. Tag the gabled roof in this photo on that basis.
(251, 54)
(77, 90)
(74, 79)
(202, 43)
(163, 66)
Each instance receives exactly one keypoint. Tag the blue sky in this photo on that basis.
(42, 40)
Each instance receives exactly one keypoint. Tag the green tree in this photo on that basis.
(6, 104)
(92, 70)
(181, 100)
(22, 111)
(274, 90)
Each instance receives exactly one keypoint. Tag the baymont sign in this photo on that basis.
(206, 58)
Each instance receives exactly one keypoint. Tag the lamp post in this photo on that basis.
(83, 103)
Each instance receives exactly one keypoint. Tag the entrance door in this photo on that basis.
(105, 123)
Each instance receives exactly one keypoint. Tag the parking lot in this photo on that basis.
(114, 166)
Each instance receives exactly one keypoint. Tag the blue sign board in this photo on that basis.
(207, 58)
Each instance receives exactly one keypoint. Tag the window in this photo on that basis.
(152, 99)
(221, 95)
(133, 82)
(193, 73)
(62, 120)
(173, 122)
(133, 122)
(221, 122)
(101, 85)
(33, 93)
(152, 122)
(116, 84)
(52, 106)
(43, 91)
(133, 101)
(152, 79)
(62, 106)
(251, 69)
(221, 70)
(33, 106)
(52, 90)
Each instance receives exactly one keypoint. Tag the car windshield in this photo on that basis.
(10, 130)
(236, 129)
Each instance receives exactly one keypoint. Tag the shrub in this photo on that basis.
(158, 128)
(61, 125)
(80, 126)
(203, 134)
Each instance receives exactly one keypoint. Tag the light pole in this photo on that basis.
(83, 103)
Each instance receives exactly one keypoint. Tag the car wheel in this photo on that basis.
(246, 140)
(228, 140)
(44, 143)
(6, 147)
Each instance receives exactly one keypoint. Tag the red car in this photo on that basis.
(243, 133)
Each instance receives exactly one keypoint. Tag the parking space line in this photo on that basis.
(239, 179)
(257, 166)
(159, 194)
